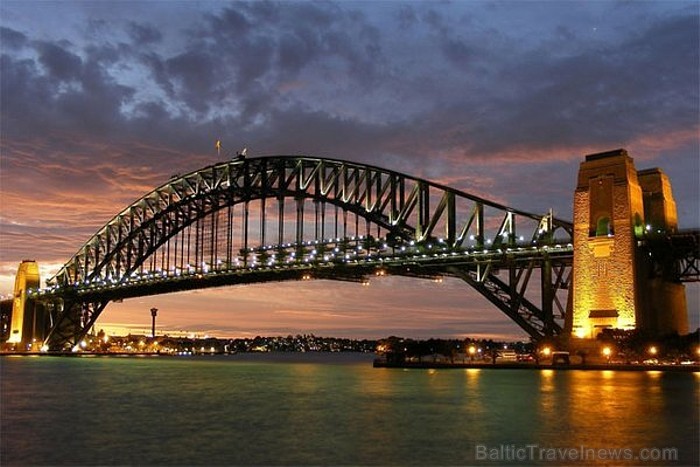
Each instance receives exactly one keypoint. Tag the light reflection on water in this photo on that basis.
(327, 409)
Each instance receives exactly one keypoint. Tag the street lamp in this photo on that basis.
(472, 351)
(653, 350)
(607, 352)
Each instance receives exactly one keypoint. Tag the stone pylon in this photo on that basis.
(615, 209)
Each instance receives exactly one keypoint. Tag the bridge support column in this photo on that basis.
(27, 326)
(547, 289)
(614, 209)
(663, 297)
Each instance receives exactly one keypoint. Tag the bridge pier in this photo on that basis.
(547, 296)
(664, 299)
(616, 211)
(28, 318)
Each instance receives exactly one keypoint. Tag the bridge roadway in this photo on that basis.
(680, 250)
(348, 260)
(355, 264)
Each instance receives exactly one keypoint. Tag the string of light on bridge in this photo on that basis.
(366, 251)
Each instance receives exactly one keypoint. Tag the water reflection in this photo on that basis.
(252, 412)
(473, 375)
(616, 409)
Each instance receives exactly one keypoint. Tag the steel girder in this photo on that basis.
(71, 318)
(509, 294)
(396, 202)
(186, 226)
(674, 256)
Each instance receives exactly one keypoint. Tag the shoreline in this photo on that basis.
(90, 354)
(533, 366)
(167, 354)
(379, 363)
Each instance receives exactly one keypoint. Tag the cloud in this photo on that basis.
(60, 64)
(348, 73)
(144, 33)
(11, 38)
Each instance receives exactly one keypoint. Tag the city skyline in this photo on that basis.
(101, 104)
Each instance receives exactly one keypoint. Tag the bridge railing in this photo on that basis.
(315, 254)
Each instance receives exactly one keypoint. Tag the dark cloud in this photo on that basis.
(297, 49)
(11, 38)
(195, 75)
(230, 22)
(406, 16)
(65, 92)
(158, 71)
(458, 52)
(248, 52)
(609, 95)
(144, 33)
(60, 64)
(302, 72)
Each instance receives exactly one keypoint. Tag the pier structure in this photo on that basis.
(624, 219)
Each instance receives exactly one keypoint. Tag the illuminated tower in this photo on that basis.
(613, 286)
(664, 309)
(24, 320)
(659, 207)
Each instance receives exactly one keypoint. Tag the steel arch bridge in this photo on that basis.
(298, 218)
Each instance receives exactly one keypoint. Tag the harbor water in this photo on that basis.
(333, 409)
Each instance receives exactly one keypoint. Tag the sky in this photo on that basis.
(100, 102)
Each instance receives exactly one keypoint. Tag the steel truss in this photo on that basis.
(289, 217)
(674, 256)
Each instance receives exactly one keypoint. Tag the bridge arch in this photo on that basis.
(400, 208)
(204, 223)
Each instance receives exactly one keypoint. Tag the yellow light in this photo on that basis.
(546, 351)
(653, 350)
(581, 333)
(472, 350)
(607, 351)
